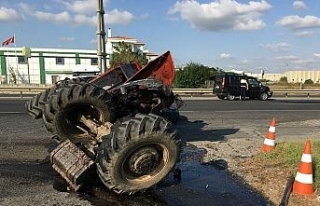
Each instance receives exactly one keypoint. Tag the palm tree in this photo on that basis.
(123, 54)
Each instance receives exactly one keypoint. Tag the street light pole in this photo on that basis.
(27, 60)
(101, 51)
(26, 51)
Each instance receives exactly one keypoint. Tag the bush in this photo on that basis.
(194, 75)
(283, 80)
(308, 81)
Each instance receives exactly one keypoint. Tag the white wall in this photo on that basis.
(293, 76)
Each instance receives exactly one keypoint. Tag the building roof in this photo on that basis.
(150, 53)
(126, 38)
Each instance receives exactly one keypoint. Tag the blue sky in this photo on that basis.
(274, 35)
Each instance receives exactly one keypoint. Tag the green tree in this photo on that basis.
(308, 81)
(284, 80)
(193, 75)
(123, 54)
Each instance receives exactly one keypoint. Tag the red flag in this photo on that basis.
(8, 41)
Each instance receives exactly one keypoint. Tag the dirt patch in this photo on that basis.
(270, 180)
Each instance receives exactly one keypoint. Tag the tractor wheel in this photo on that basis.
(32, 107)
(36, 105)
(48, 124)
(137, 154)
(170, 114)
(44, 96)
(75, 102)
(49, 111)
(62, 84)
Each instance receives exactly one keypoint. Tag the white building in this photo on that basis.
(136, 46)
(292, 76)
(45, 66)
(48, 65)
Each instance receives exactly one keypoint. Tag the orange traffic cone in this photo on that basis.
(269, 141)
(303, 183)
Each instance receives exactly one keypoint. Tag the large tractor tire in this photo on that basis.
(36, 105)
(32, 107)
(51, 106)
(49, 113)
(45, 95)
(137, 154)
(77, 101)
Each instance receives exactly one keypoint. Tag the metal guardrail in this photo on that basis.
(22, 89)
(276, 92)
(33, 89)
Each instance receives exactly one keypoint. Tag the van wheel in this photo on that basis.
(230, 97)
(220, 96)
(264, 96)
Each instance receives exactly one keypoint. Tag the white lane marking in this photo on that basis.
(231, 111)
(12, 113)
(316, 110)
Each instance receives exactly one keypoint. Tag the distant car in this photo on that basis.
(227, 86)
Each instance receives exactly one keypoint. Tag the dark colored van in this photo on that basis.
(227, 86)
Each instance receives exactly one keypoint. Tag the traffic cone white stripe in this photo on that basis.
(272, 129)
(303, 183)
(269, 142)
(304, 178)
(306, 158)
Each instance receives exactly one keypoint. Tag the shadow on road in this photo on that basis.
(308, 101)
(195, 131)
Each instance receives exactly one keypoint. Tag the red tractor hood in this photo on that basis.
(161, 68)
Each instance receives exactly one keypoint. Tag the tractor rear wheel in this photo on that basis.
(32, 107)
(137, 154)
(36, 105)
(78, 102)
(49, 111)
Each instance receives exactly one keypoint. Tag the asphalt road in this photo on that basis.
(24, 143)
(285, 110)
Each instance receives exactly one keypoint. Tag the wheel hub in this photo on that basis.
(143, 161)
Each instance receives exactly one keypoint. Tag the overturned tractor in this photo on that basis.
(116, 126)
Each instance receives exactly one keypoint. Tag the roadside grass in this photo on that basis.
(288, 155)
(269, 172)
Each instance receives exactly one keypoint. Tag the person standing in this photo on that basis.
(244, 88)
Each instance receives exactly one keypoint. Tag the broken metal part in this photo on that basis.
(72, 164)
(178, 101)
(97, 129)
(92, 135)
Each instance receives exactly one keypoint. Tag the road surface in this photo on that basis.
(24, 143)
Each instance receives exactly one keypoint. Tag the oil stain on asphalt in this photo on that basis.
(191, 183)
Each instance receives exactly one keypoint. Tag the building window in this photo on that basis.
(22, 60)
(60, 60)
(94, 61)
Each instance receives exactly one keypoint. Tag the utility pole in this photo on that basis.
(101, 51)
(26, 51)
